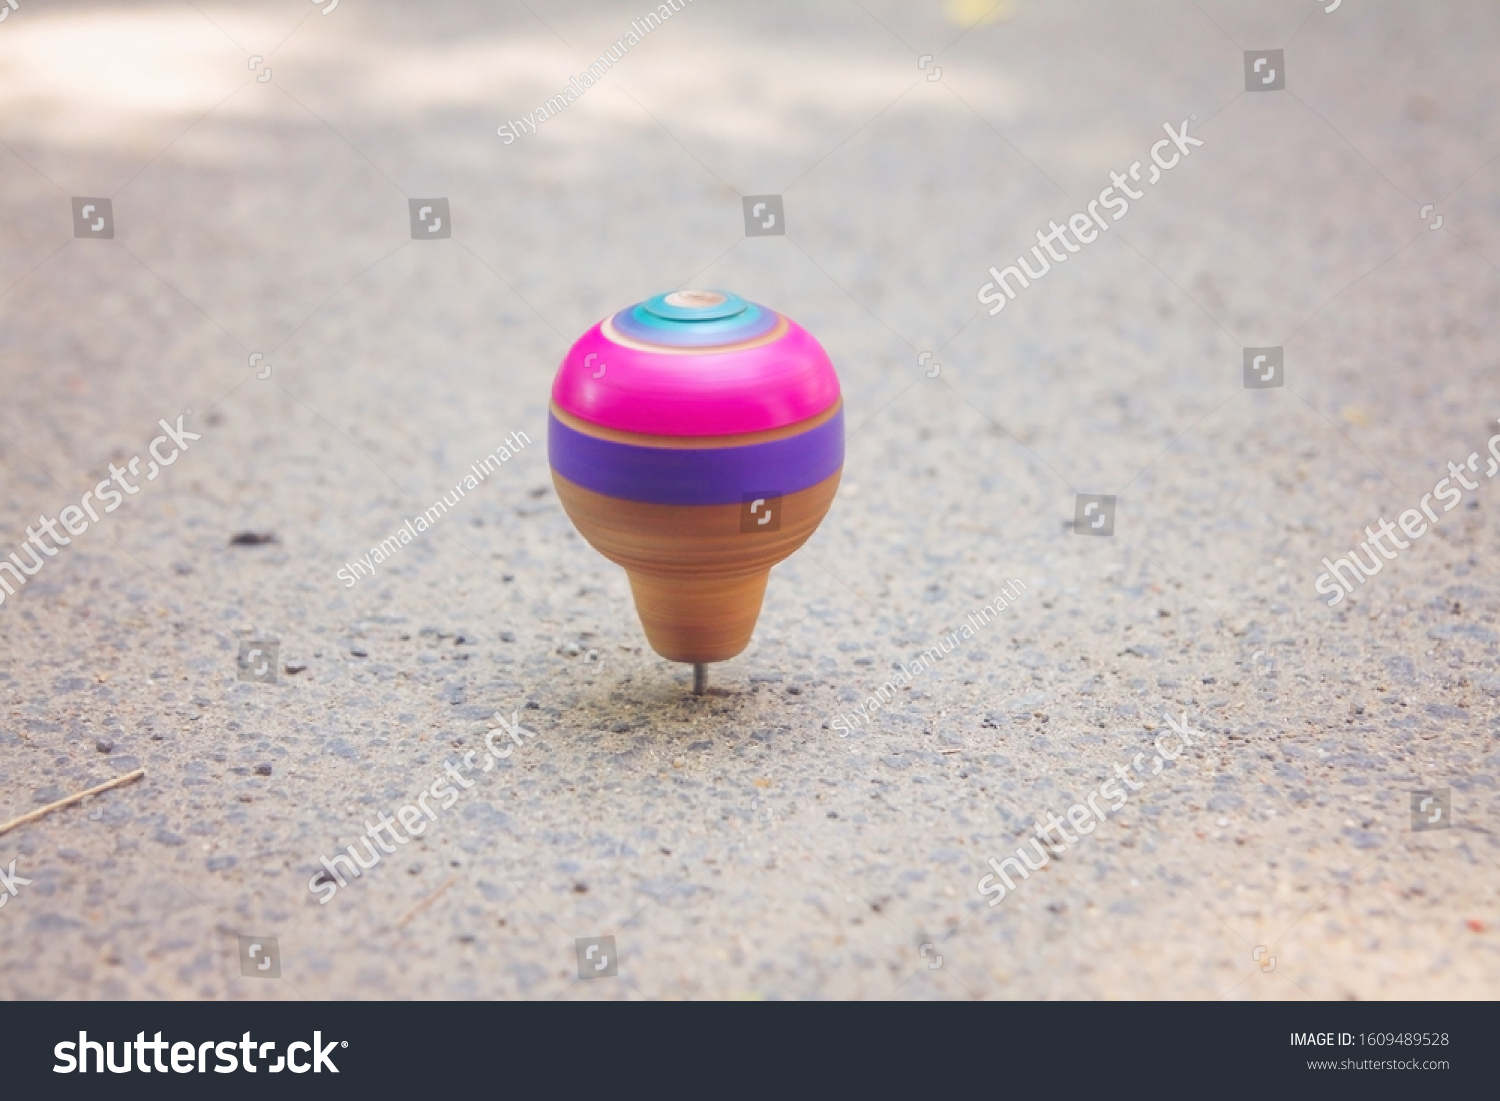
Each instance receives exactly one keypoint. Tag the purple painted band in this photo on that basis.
(696, 475)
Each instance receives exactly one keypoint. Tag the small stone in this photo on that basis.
(414, 868)
(263, 770)
(104, 745)
(294, 667)
(507, 636)
(359, 651)
(252, 538)
(1222, 822)
(679, 762)
(572, 650)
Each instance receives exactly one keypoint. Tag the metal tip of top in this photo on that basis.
(700, 678)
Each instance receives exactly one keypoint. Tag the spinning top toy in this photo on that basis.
(696, 439)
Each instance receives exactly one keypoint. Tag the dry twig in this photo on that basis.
(426, 902)
(70, 800)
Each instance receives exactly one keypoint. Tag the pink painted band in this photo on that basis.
(698, 392)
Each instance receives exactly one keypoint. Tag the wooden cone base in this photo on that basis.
(697, 574)
(698, 617)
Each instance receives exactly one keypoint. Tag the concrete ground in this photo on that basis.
(739, 845)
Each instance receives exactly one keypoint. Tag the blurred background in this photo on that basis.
(259, 266)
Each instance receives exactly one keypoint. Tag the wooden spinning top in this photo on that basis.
(696, 439)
